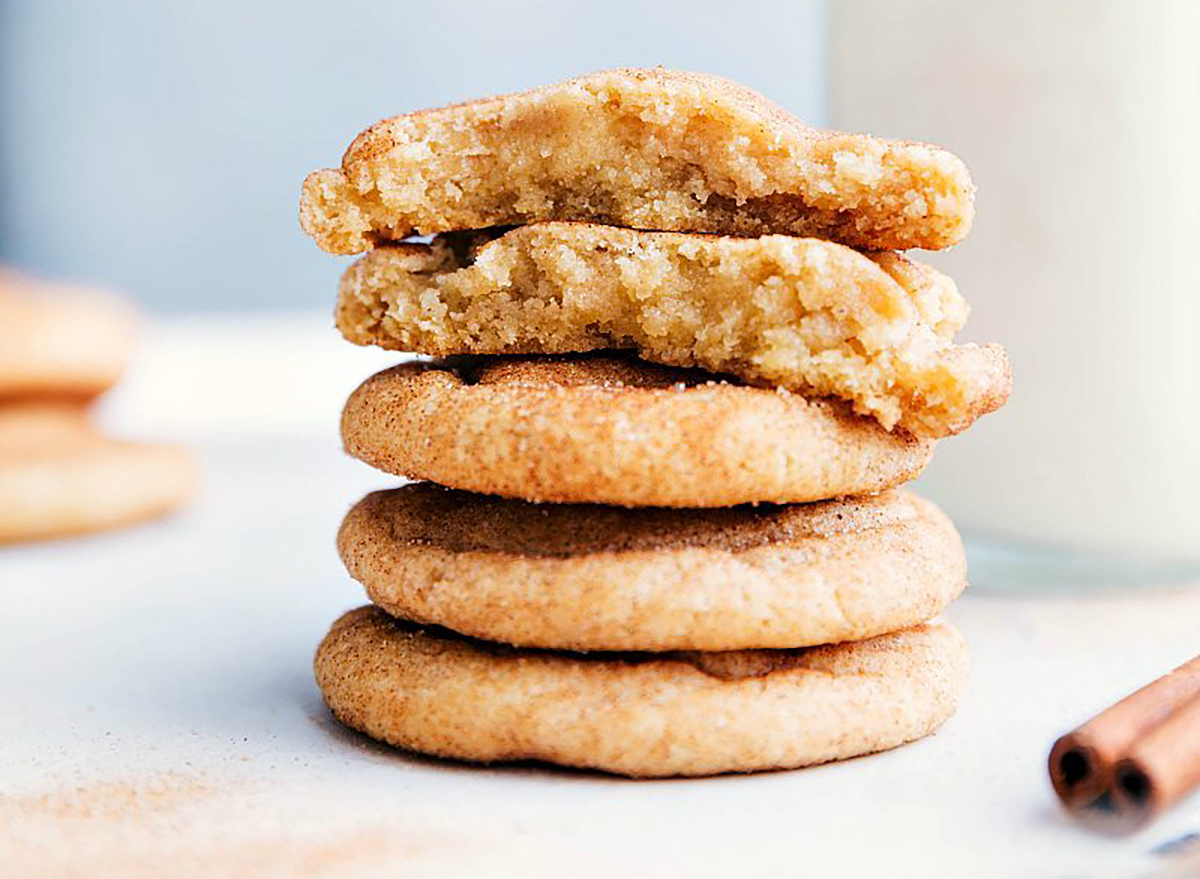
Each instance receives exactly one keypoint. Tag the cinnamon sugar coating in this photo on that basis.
(590, 577)
(611, 429)
(642, 715)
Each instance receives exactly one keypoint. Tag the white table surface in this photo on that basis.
(160, 719)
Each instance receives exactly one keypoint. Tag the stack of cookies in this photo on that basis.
(681, 372)
(60, 348)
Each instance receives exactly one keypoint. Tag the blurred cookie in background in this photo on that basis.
(60, 476)
(61, 339)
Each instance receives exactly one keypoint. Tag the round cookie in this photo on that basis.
(635, 714)
(59, 477)
(611, 429)
(591, 577)
(60, 340)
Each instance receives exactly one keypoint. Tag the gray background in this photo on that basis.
(158, 148)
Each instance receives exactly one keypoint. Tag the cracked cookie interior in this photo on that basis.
(647, 149)
(807, 315)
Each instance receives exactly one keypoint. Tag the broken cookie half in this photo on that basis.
(647, 149)
(811, 316)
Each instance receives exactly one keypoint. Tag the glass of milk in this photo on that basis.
(1080, 122)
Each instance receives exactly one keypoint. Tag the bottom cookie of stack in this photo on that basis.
(638, 714)
(649, 642)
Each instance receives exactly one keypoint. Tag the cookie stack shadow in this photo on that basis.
(688, 556)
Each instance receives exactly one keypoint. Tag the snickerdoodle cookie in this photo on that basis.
(591, 577)
(60, 340)
(648, 149)
(609, 429)
(60, 477)
(812, 316)
(638, 714)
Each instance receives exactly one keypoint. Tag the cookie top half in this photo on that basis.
(611, 429)
(642, 148)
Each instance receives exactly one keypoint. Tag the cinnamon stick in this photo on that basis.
(1160, 769)
(1083, 762)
